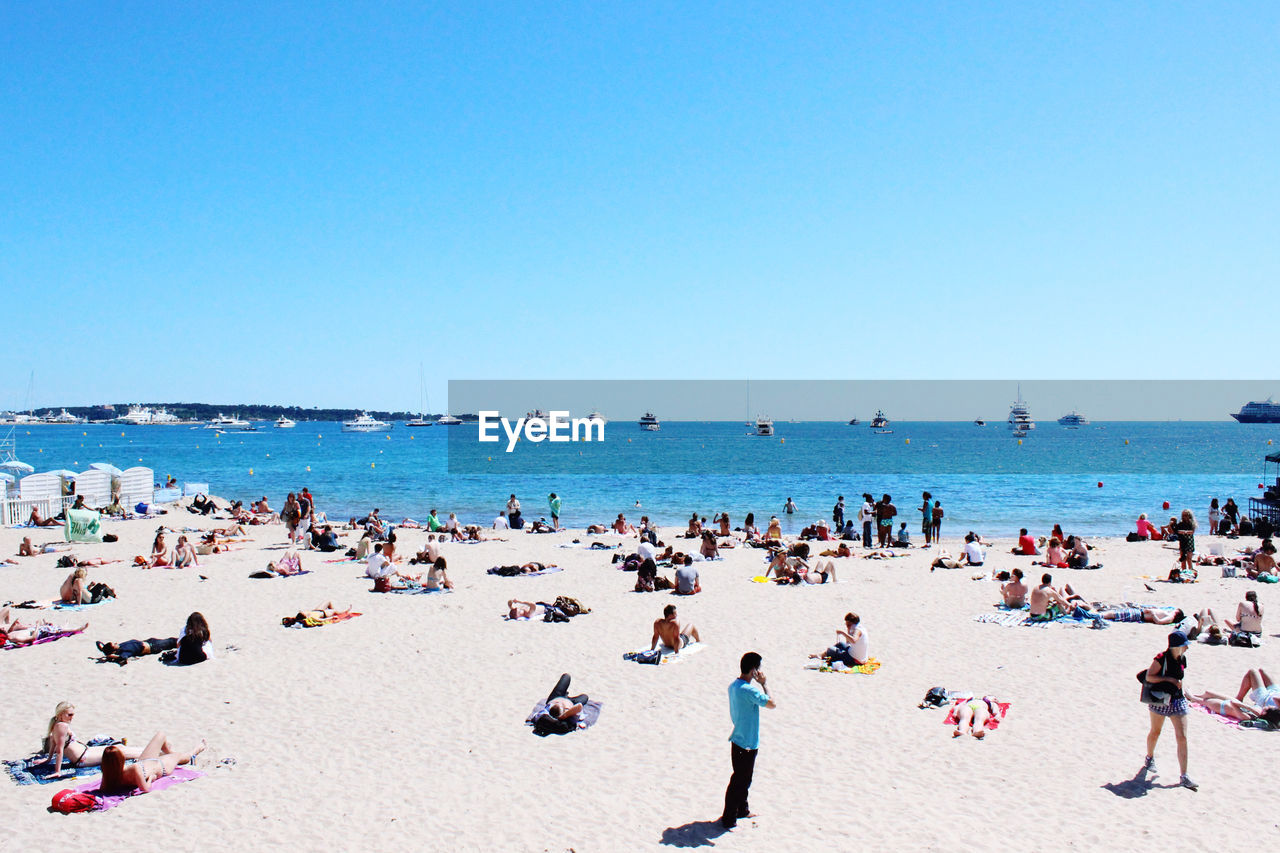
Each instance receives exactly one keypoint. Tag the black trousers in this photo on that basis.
(561, 690)
(735, 796)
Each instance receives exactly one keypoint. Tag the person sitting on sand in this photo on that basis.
(328, 610)
(972, 554)
(62, 746)
(1014, 593)
(184, 556)
(194, 641)
(708, 549)
(851, 644)
(1054, 556)
(1263, 562)
(157, 760)
(74, 588)
(902, 539)
(36, 521)
(1078, 553)
(1146, 529)
(261, 506)
(1026, 546)
(775, 529)
(437, 576)
(1047, 602)
(670, 633)
(687, 578)
(1248, 615)
(621, 527)
(972, 716)
(159, 553)
(382, 572)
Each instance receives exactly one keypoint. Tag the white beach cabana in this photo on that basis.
(95, 486)
(137, 485)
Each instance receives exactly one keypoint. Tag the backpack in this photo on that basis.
(935, 698)
(545, 724)
(66, 562)
(69, 800)
(653, 656)
(570, 606)
(554, 614)
(1243, 639)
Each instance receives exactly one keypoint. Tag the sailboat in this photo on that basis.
(421, 419)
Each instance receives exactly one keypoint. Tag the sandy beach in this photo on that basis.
(403, 728)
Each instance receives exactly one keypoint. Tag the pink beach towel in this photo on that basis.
(1000, 710)
(110, 801)
(48, 638)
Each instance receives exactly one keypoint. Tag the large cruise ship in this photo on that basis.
(1259, 412)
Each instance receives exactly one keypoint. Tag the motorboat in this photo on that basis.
(649, 422)
(419, 421)
(596, 416)
(232, 424)
(448, 420)
(365, 423)
(879, 422)
(1073, 420)
(979, 422)
(854, 421)
(1020, 415)
(284, 423)
(764, 426)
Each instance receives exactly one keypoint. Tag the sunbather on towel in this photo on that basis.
(36, 521)
(972, 716)
(517, 609)
(121, 653)
(1014, 593)
(562, 712)
(437, 577)
(383, 574)
(14, 631)
(1235, 709)
(157, 759)
(62, 746)
(328, 610)
(159, 553)
(1152, 615)
(1047, 601)
(671, 633)
(26, 549)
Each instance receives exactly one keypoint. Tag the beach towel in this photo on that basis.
(110, 801)
(668, 654)
(1226, 721)
(38, 769)
(549, 570)
(999, 712)
(311, 622)
(268, 573)
(588, 718)
(417, 590)
(47, 638)
(52, 604)
(868, 668)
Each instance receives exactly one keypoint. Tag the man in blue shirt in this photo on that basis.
(745, 701)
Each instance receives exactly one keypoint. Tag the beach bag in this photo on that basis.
(571, 606)
(1149, 695)
(1243, 640)
(554, 614)
(653, 656)
(1228, 571)
(1135, 537)
(69, 800)
(935, 698)
(545, 724)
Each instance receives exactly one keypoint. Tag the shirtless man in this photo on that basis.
(1045, 596)
(668, 631)
(1014, 592)
(26, 549)
(517, 609)
(36, 521)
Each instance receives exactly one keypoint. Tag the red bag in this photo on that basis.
(70, 800)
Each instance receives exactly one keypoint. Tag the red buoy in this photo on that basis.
(1099, 484)
(1166, 504)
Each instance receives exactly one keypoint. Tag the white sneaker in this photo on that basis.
(1150, 766)
(1187, 782)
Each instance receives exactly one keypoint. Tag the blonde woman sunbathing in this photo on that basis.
(328, 610)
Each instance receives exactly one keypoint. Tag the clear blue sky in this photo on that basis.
(298, 203)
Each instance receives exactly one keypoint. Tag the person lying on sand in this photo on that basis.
(517, 609)
(325, 611)
(157, 760)
(972, 716)
(20, 632)
(1235, 709)
(842, 551)
(671, 633)
(1151, 615)
(561, 716)
(121, 653)
(26, 549)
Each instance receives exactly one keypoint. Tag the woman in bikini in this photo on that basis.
(159, 553)
(61, 744)
(156, 760)
(1248, 615)
(328, 610)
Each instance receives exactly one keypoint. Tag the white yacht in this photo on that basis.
(879, 422)
(136, 416)
(232, 424)
(448, 420)
(1073, 420)
(63, 417)
(979, 422)
(284, 423)
(854, 421)
(160, 416)
(419, 421)
(1020, 416)
(764, 426)
(596, 416)
(365, 423)
(649, 422)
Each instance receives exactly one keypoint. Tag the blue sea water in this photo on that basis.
(985, 479)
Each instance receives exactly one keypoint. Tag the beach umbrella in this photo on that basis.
(7, 478)
(104, 466)
(65, 474)
(13, 466)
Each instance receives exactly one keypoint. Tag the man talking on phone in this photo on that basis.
(747, 694)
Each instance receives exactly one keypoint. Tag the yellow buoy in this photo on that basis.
(1019, 442)
(1126, 441)
(907, 440)
(388, 438)
(250, 472)
(372, 464)
(308, 469)
(121, 433)
(782, 440)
